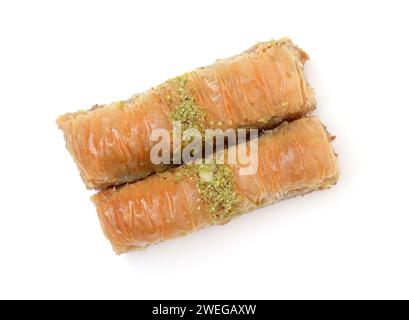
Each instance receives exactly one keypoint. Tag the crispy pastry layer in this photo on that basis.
(294, 159)
(258, 88)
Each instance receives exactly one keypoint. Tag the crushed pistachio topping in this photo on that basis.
(178, 178)
(120, 104)
(181, 98)
(215, 186)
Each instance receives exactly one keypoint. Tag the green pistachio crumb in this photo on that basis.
(206, 176)
(189, 114)
(120, 104)
(215, 186)
(185, 108)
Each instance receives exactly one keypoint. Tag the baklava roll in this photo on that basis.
(293, 159)
(259, 88)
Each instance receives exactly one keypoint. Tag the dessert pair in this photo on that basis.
(262, 88)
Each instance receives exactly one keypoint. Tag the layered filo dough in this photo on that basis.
(293, 159)
(259, 88)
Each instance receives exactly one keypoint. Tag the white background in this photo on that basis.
(348, 242)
